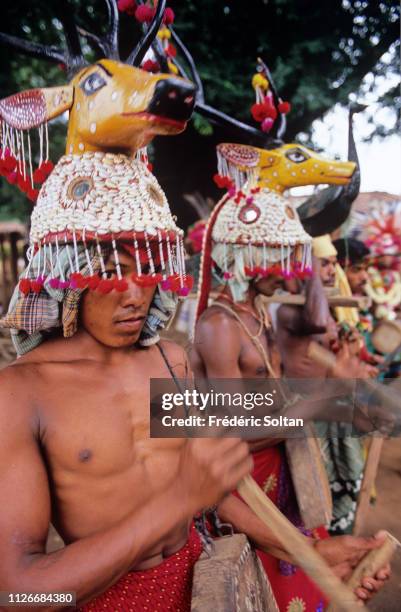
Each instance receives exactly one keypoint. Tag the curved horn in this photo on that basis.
(107, 44)
(137, 55)
(324, 212)
(48, 52)
(252, 135)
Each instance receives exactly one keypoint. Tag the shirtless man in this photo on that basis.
(343, 454)
(234, 339)
(75, 450)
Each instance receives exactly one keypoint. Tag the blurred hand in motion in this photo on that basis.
(210, 468)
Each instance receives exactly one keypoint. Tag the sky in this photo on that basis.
(380, 159)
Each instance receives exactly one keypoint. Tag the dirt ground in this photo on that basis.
(386, 514)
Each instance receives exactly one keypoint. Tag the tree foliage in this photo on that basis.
(319, 53)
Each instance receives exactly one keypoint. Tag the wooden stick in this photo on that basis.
(374, 561)
(370, 565)
(292, 540)
(334, 300)
(369, 477)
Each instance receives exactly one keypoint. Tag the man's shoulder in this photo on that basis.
(215, 316)
(176, 356)
(173, 351)
(218, 330)
(287, 313)
(171, 348)
(16, 385)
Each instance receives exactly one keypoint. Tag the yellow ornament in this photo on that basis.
(172, 67)
(164, 34)
(258, 80)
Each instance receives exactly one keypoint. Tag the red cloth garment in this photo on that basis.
(164, 588)
(293, 590)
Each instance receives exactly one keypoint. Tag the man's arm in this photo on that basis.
(342, 553)
(313, 317)
(208, 470)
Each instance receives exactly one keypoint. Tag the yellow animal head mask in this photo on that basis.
(290, 165)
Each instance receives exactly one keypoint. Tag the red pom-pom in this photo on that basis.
(170, 50)
(168, 17)
(258, 111)
(284, 107)
(105, 286)
(151, 66)
(189, 282)
(144, 13)
(39, 176)
(175, 282)
(12, 178)
(32, 194)
(9, 163)
(24, 183)
(222, 181)
(120, 284)
(25, 286)
(82, 282)
(271, 112)
(150, 167)
(46, 167)
(36, 286)
(267, 124)
(166, 285)
(93, 281)
(125, 5)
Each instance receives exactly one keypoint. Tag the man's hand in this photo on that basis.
(343, 553)
(210, 468)
(349, 366)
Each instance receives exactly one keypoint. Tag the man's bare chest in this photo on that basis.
(259, 356)
(98, 426)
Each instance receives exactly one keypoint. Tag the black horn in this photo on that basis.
(326, 210)
(144, 44)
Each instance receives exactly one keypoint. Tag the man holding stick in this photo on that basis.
(234, 339)
(331, 328)
(74, 408)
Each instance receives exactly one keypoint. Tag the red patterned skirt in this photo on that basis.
(293, 590)
(164, 588)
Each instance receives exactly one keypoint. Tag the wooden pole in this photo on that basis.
(303, 553)
(368, 480)
(333, 300)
